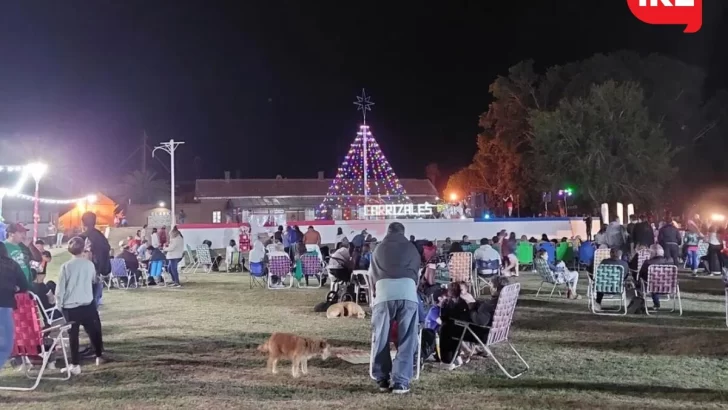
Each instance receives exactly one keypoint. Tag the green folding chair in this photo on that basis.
(524, 254)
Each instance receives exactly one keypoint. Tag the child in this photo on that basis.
(75, 296)
(433, 321)
(231, 248)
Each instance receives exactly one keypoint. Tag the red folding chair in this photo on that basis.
(29, 341)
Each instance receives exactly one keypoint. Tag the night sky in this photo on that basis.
(266, 87)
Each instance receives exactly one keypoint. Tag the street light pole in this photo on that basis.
(169, 147)
(37, 170)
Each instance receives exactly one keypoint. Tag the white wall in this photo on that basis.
(432, 229)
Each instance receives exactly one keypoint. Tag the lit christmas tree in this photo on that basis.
(364, 177)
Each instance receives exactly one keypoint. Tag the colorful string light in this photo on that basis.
(347, 189)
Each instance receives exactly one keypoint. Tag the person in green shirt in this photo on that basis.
(16, 236)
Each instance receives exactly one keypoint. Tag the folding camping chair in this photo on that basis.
(548, 276)
(29, 341)
(119, 271)
(550, 250)
(460, 269)
(662, 280)
(418, 356)
(485, 270)
(599, 256)
(233, 262)
(642, 256)
(499, 328)
(312, 265)
(204, 259)
(257, 275)
(524, 253)
(609, 280)
(362, 281)
(280, 266)
(191, 262)
(586, 254)
(50, 314)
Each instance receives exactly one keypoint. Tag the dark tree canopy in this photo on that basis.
(605, 143)
(671, 94)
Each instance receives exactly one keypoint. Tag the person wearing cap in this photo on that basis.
(17, 234)
(12, 279)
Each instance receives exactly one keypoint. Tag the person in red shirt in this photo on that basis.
(163, 236)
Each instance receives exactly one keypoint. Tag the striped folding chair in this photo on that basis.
(29, 341)
(204, 259)
(280, 266)
(662, 280)
(500, 327)
(609, 280)
(460, 269)
(119, 271)
(485, 270)
(548, 276)
(191, 262)
(599, 256)
(312, 266)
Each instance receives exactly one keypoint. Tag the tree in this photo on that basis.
(605, 143)
(495, 171)
(142, 188)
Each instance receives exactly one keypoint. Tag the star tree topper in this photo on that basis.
(364, 104)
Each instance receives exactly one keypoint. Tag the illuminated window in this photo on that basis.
(216, 216)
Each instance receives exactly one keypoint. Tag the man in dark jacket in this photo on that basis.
(100, 250)
(642, 233)
(394, 274)
(670, 239)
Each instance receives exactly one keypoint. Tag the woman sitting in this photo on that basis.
(479, 313)
(561, 273)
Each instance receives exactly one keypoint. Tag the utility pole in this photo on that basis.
(169, 147)
(144, 152)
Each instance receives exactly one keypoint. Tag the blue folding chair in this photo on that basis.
(550, 250)
(257, 274)
(586, 253)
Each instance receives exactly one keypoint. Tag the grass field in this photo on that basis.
(195, 348)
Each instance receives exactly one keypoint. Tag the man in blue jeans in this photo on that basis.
(393, 271)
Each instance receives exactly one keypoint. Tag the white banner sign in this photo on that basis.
(398, 210)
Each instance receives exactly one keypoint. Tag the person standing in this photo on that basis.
(642, 234)
(12, 279)
(163, 239)
(670, 240)
(75, 296)
(312, 237)
(182, 216)
(154, 239)
(100, 250)
(17, 234)
(51, 233)
(588, 224)
(393, 270)
(175, 250)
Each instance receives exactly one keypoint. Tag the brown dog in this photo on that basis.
(295, 348)
(345, 309)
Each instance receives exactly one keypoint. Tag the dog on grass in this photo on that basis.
(345, 309)
(297, 349)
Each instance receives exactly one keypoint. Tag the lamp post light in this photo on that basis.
(564, 193)
(169, 147)
(37, 170)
